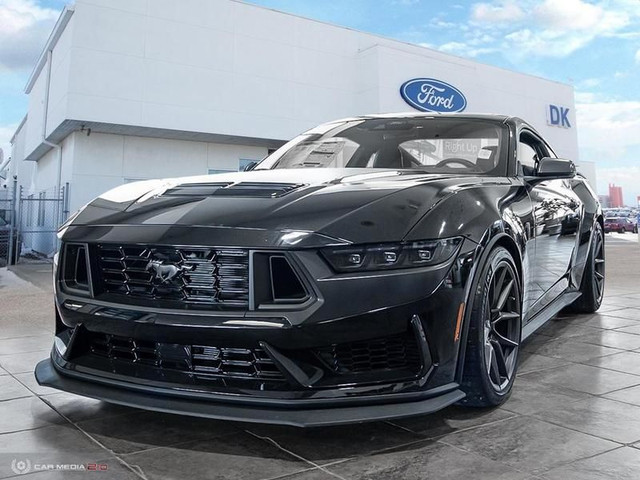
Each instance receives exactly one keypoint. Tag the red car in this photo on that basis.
(620, 225)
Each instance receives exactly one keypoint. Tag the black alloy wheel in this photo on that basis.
(494, 333)
(593, 278)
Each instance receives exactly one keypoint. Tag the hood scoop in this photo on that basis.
(241, 189)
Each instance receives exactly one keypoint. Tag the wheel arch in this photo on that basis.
(501, 239)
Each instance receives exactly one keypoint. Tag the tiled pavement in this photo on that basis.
(574, 413)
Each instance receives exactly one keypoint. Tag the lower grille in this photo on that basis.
(389, 353)
(199, 359)
(174, 276)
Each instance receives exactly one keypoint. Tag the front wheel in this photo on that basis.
(623, 230)
(495, 331)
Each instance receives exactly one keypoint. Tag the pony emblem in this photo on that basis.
(165, 272)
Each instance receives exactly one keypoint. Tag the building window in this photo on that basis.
(243, 162)
(213, 171)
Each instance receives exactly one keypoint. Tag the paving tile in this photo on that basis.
(623, 300)
(564, 329)
(78, 409)
(425, 460)
(233, 457)
(627, 395)
(606, 322)
(28, 379)
(529, 444)
(633, 329)
(611, 339)
(311, 474)
(604, 418)
(610, 308)
(330, 444)
(627, 362)
(569, 349)
(10, 388)
(26, 413)
(620, 464)
(12, 346)
(22, 362)
(627, 313)
(528, 397)
(142, 430)
(452, 419)
(55, 444)
(531, 362)
(584, 378)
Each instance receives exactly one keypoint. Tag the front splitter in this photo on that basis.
(47, 375)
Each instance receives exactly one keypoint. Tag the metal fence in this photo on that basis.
(31, 224)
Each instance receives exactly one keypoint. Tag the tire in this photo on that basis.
(592, 284)
(623, 230)
(488, 373)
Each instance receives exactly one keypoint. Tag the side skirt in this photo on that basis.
(550, 311)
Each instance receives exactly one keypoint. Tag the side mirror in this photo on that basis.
(249, 166)
(556, 168)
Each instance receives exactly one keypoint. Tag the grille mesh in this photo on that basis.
(190, 275)
(389, 353)
(200, 359)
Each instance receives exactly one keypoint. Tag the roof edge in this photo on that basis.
(59, 27)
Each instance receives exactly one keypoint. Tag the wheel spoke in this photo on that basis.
(502, 316)
(502, 340)
(504, 295)
(494, 370)
(501, 362)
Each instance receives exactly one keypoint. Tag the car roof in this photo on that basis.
(468, 116)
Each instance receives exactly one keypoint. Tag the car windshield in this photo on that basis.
(433, 145)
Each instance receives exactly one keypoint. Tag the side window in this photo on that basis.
(527, 159)
(530, 151)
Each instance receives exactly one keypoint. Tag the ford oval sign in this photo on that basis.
(431, 95)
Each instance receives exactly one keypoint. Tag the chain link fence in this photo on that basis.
(31, 222)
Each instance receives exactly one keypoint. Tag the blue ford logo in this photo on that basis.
(431, 95)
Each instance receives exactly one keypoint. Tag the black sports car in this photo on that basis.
(375, 267)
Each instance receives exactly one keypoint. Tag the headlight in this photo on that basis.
(384, 256)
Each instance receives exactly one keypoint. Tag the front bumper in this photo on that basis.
(186, 403)
(152, 357)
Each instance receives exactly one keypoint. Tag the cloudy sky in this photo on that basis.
(593, 45)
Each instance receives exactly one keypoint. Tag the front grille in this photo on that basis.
(389, 353)
(196, 276)
(199, 359)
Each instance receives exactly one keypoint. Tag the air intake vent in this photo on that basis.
(242, 189)
(261, 190)
(75, 271)
(195, 190)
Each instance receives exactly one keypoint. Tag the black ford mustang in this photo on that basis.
(375, 267)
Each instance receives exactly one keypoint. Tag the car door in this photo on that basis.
(557, 216)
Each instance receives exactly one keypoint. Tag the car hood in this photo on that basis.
(353, 205)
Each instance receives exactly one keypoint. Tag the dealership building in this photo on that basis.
(129, 90)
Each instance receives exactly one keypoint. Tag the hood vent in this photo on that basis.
(242, 189)
(195, 189)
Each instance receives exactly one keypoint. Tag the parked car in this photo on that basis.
(371, 268)
(620, 225)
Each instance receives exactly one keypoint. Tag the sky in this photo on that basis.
(593, 45)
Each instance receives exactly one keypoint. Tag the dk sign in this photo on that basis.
(558, 116)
